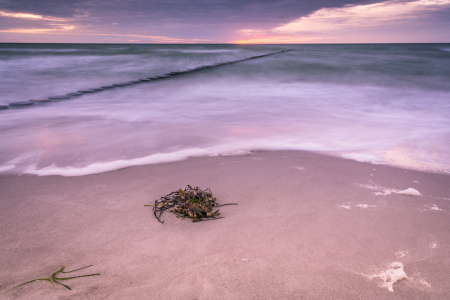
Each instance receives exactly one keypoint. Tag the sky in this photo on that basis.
(225, 21)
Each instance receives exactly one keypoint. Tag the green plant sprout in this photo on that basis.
(55, 279)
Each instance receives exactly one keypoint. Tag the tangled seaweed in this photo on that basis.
(55, 279)
(191, 203)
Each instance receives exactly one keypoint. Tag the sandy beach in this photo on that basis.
(307, 227)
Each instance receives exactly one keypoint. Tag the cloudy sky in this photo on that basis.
(225, 21)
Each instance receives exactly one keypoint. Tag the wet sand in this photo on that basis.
(307, 227)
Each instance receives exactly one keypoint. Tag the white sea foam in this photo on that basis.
(430, 207)
(6, 167)
(394, 273)
(379, 190)
(424, 282)
(364, 157)
(346, 206)
(115, 165)
(383, 191)
(365, 206)
(408, 192)
(401, 254)
(349, 205)
(234, 162)
(227, 149)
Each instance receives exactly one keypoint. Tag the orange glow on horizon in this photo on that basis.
(348, 24)
(28, 16)
(63, 29)
(20, 15)
(275, 40)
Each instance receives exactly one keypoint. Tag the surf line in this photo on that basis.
(32, 102)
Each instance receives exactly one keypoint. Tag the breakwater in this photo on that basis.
(71, 95)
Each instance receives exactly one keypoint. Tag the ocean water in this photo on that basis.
(380, 103)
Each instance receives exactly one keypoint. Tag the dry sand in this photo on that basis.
(307, 227)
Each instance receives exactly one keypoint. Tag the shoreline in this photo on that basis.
(307, 225)
(163, 158)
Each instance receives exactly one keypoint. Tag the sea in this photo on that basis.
(376, 103)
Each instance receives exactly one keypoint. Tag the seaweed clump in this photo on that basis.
(194, 203)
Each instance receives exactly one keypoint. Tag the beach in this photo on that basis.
(307, 226)
(337, 156)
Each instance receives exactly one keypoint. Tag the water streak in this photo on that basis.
(378, 103)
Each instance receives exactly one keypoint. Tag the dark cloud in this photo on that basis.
(193, 12)
(56, 8)
(215, 20)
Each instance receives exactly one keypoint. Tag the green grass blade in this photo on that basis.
(46, 279)
(66, 278)
(76, 269)
(60, 270)
(62, 285)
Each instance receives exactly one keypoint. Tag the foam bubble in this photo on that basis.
(234, 162)
(391, 276)
(382, 191)
(346, 206)
(409, 192)
(402, 253)
(365, 206)
(430, 207)
(349, 205)
(423, 281)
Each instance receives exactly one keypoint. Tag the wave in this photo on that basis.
(381, 104)
(96, 168)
